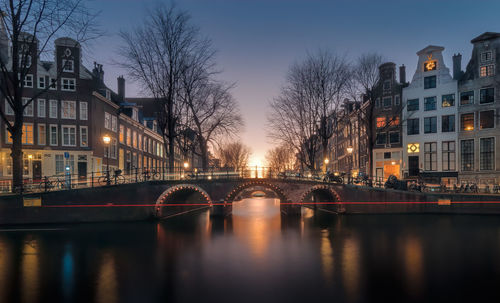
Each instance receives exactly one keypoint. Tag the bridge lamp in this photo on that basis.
(349, 150)
(209, 177)
(327, 161)
(186, 165)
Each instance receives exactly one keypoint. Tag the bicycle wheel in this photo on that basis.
(102, 180)
(120, 179)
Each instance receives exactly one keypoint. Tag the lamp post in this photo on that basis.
(106, 140)
(186, 166)
(326, 161)
(349, 151)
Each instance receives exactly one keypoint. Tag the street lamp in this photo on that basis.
(106, 140)
(349, 151)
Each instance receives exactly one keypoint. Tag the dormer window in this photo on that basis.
(68, 66)
(487, 70)
(24, 61)
(108, 94)
(486, 56)
(155, 126)
(387, 85)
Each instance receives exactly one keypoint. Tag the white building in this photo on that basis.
(430, 120)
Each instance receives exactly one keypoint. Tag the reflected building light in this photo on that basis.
(327, 257)
(5, 260)
(351, 268)
(29, 272)
(414, 262)
(107, 285)
(68, 272)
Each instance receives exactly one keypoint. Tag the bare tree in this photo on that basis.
(281, 158)
(155, 55)
(233, 155)
(301, 115)
(27, 31)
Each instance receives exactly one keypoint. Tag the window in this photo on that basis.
(27, 134)
(486, 95)
(114, 123)
(68, 66)
(135, 114)
(380, 122)
(381, 138)
(107, 120)
(429, 82)
(24, 60)
(68, 84)
(487, 70)
(53, 135)
(387, 84)
(396, 100)
(394, 137)
(448, 100)
(41, 108)
(429, 103)
(52, 108)
(41, 82)
(449, 155)
(467, 122)
(387, 101)
(59, 164)
(68, 109)
(486, 119)
(122, 134)
(84, 111)
(467, 98)
(430, 156)
(8, 109)
(134, 139)
(413, 127)
(84, 136)
(69, 135)
(114, 148)
(42, 134)
(394, 121)
(28, 110)
(467, 152)
(28, 81)
(53, 84)
(129, 137)
(487, 154)
(430, 125)
(413, 105)
(486, 56)
(139, 142)
(448, 123)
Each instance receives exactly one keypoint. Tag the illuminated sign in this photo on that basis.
(413, 148)
(429, 64)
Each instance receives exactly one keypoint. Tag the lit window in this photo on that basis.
(448, 100)
(394, 121)
(380, 122)
(68, 109)
(84, 136)
(467, 122)
(122, 134)
(467, 98)
(413, 148)
(487, 70)
(42, 134)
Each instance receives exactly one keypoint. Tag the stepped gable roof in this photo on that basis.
(429, 49)
(485, 36)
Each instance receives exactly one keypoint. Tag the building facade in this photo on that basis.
(429, 120)
(387, 131)
(479, 112)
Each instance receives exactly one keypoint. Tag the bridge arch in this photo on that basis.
(180, 194)
(320, 193)
(241, 187)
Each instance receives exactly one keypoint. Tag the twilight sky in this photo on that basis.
(257, 40)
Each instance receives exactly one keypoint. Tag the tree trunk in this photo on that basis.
(204, 154)
(17, 156)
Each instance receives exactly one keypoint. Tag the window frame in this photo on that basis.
(462, 122)
(481, 154)
(72, 115)
(417, 105)
(69, 87)
(40, 82)
(470, 155)
(38, 107)
(481, 90)
(56, 108)
(56, 135)
(408, 126)
(83, 127)
(448, 129)
(433, 130)
(480, 120)
(428, 85)
(63, 127)
(81, 106)
(38, 134)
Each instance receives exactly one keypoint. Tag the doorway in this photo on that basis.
(82, 172)
(37, 170)
(413, 169)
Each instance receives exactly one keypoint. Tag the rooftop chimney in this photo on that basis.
(121, 88)
(402, 74)
(457, 66)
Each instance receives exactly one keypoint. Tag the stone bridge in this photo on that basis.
(221, 193)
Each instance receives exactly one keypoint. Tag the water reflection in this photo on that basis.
(256, 255)
(29, 271)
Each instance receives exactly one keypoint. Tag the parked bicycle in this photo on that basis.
(117, 178)
(48, 185)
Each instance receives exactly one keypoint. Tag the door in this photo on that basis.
(413, 169)
(379, 174)
(37, 170)
(82, 171)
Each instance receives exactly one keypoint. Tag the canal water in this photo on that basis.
(256, 255)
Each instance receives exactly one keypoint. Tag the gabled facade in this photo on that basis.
(387, 131)
(430, 120)
(479, 112)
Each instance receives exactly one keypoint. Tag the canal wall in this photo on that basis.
(368, 200)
